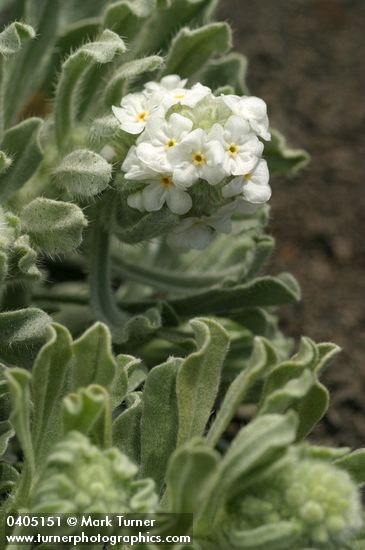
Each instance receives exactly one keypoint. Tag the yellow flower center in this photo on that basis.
(141, 117)
(179, 96)
(198, 158)
(232, 149)
(170, 143)
(166, 181)
(246, 177)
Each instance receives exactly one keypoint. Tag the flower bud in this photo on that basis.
(80, 478)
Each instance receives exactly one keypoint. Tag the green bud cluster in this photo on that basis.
(315, 501)
(80, 478)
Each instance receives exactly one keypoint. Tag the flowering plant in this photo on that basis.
(125, 361)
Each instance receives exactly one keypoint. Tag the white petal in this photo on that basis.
(215, 152)
(136, 201)
(154, 196)
(180, 124)
(213, 174)
(256, 193)
(237, 128)
(233, 188)
(261, 173)
(178, 201)
(185, 175)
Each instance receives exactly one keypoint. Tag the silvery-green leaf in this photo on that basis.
(127, 72)
(136, 372)
(88, 411)
(198, 378)
(259, 443)
(22, 333)
(83, 173)
(262, 359)
(101, 51)
(293, 391)
(53, 226)
(12, 37)
(282, 534)
(283, 160)
(229, 70)
(8, 478)
(190, 470)
(354, 464)
(127, 428)
(49, 384)
(312, 408)
(20, 417)
(94, 361)
(23, 260)
(159, 422)
(126, 16)
(190, 49)
(6, 433)
(22, 144)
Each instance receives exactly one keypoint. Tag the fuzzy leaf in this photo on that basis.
(262, 359)
(20, 417)
(281, 159)
(49, 385)
(53, 226)
(198, 378)
(22, 333)
(128, 71)
(135, 370)
(125, 17)
(5, 162)
(6, 433)
(23, 261)
(229, 70)
(256, 445)
(190, 49)
(101, 51)
(312, 408)
(159, 420)
(88, 411)
(283, 534)
(83, 173)
(12, 38)
(127, 428)
(8, 478)
(94, 361)
(22, 144)
(354, 464)
(189, 473)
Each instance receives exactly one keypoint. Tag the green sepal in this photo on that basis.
(22, 333)
(229, 70)
(49, 385)
(53, 226)
(128, 71)
(189, 473)
(88, 411)
(262, 359)
(281, 159)
(127, 428)
(83, 173)
(159, 422)
(101, 51)
(190, 49)
(22, 144)
(19, 387)
(198, 378)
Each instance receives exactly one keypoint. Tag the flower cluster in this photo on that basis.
(317, 499)
(189, 135)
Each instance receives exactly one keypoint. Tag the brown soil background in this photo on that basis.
(306, 59)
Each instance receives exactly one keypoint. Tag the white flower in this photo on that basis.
(254, 186)
(186, 97)
(197, 157)
(170, 82)
(134, 111)
(160, 135)
(160, 188)
(242, 148)
(253, 109)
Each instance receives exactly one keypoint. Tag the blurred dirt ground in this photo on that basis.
(306, 59)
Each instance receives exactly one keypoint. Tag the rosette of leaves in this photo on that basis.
(58, 180)
(83, 409)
